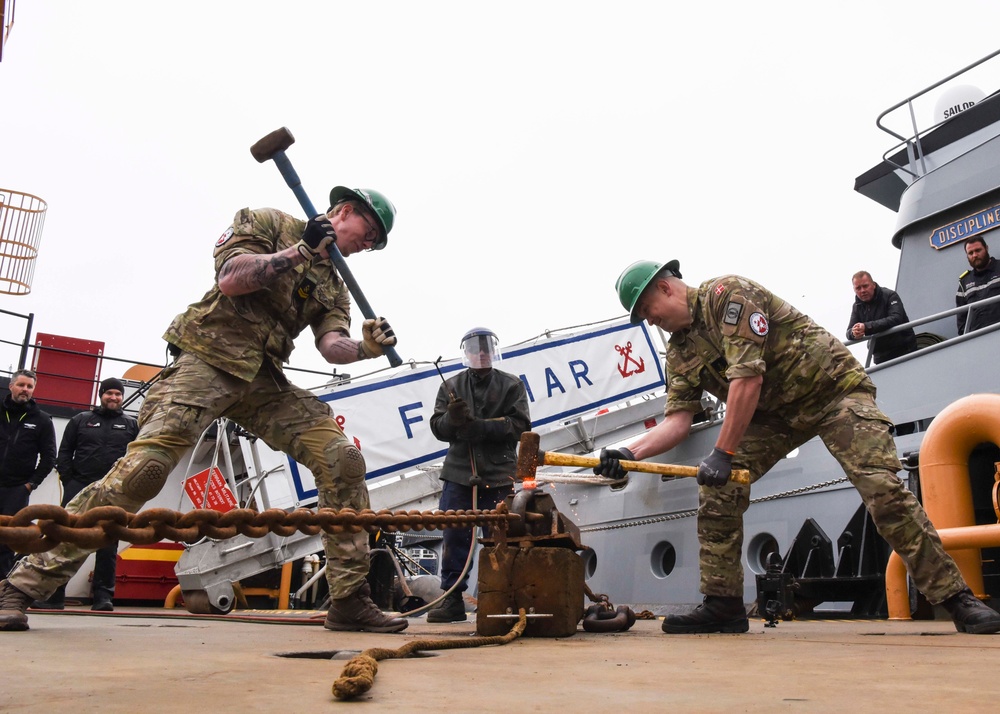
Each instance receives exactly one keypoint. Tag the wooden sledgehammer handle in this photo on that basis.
(554, 458)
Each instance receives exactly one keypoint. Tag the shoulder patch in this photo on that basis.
(758, 323)
(963, 275)
(733, 311)
(719, 289)
(225, 236)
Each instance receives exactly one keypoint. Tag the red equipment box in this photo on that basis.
(68, 370)
(146, 572)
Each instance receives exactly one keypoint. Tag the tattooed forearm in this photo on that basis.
(280, 264)
(340, 349)
(244, 274)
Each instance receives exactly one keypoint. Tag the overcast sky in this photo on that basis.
(532, 149)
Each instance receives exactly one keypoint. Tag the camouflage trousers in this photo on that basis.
(188, 398)
(856, 433)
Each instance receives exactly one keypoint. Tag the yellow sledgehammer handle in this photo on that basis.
(554, 458)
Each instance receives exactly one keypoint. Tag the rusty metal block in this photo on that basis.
(544, 581)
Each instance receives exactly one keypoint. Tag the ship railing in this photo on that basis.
(135, 388)
(967, 309)
(917, 165)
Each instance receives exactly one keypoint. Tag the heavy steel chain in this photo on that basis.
(693, 512)
(42, 527)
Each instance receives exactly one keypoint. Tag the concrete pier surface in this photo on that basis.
(157, 660)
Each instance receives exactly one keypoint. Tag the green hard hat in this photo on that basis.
(637, 277)
(376, 201)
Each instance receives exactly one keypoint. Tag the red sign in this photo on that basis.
(220, 497)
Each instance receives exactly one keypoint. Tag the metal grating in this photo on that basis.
(21, 219)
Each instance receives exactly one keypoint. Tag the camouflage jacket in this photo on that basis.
(740, 329)
(236, 334)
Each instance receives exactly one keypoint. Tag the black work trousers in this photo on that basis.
(12, 500)
(105, 559)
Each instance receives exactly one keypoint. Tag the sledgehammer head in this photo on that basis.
(266, 148)
(527, 456)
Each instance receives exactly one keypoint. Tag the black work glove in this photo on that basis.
(716, 468)
(610, 466)
(476, 430)
(471, 431)
(318, 234)
(458, 412)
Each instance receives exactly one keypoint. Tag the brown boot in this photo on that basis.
(357, 613)
(715, 614)
(13, 605)
(970, 615)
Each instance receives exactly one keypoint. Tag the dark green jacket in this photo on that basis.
(499, 399)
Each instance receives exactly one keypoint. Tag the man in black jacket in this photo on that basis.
(27, 451)
(91, 443)
(481, 412)
(979, 283)
(876, 309)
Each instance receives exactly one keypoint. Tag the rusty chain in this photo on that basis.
(42, 527)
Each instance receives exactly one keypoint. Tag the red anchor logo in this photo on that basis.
(626, 352)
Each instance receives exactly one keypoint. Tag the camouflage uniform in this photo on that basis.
(230, 366)
(812, 386)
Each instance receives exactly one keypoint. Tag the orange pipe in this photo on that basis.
(284, 591)
(286, 586)
(944, 470)
(170, 601)
(896, 593)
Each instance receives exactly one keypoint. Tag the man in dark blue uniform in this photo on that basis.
(92, 442)
(979, 283)
(27, 451)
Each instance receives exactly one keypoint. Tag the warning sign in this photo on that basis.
(220, 497)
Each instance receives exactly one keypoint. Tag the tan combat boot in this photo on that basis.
(13, 605)
(357, 613)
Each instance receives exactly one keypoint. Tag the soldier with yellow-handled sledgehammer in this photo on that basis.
(784, 380)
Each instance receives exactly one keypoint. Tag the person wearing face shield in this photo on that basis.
(481, 412)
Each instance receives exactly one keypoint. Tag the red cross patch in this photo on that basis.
(719, 289)
(225, 236)
(758, 323)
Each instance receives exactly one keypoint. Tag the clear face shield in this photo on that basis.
(480, 351)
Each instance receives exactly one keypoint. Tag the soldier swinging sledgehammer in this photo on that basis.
(274, 277)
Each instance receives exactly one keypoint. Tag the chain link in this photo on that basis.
(42, 527)
(688, 514)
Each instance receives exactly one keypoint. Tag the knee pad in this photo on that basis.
(352, 464)
(147, 478)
